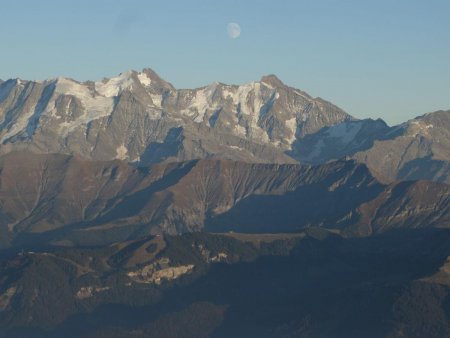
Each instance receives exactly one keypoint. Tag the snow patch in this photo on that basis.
(115, 85)
(27, 121)
(422, 125)
(302, 95)
(267, 85)
(291, 125)
(240, 130)
(144, 79)
(340, 134)
(345, 132)
(251, 109)
(157, 100)
(95, 107)
(419, 127)
(248, 100)
(122, 152)
(200, 103)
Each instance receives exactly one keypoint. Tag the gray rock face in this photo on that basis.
(138, 117)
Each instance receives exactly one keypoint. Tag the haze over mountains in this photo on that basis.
(129, 208)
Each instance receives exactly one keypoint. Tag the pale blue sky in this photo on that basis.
(388, 59)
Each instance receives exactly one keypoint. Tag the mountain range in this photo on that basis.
(142, 119)
(130, 208)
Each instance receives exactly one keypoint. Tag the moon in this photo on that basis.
(234, 30)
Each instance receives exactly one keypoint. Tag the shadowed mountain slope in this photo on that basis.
(65, 199)
(311, 284)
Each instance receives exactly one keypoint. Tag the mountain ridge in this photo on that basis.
(68, 200)
(62, 114)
